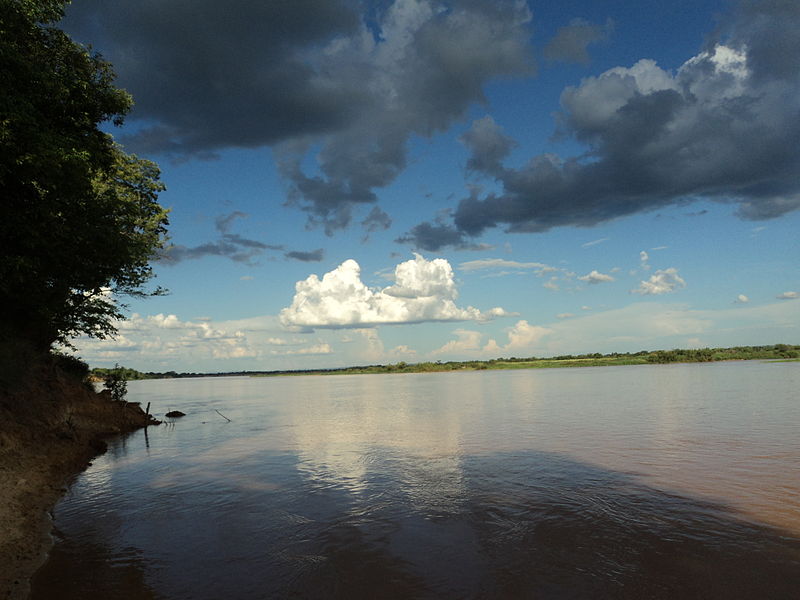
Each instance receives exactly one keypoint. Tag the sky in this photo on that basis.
(375, 181)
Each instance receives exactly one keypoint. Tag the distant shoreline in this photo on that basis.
(780, 352)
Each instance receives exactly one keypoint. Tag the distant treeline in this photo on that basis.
(774, 352)
(133, 374)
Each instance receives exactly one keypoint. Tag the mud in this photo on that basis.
(51, 426)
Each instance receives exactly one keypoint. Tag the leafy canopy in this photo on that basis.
(79, 219)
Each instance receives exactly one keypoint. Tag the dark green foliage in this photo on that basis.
(71, 365)
(127, 373)
(787, 351)
(20, 360)
(116, 383)
(714, 354)
(668, 356)
(79, 218)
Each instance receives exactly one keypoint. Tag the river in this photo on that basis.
(663, 481)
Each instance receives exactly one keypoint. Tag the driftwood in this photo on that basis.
(221, 415)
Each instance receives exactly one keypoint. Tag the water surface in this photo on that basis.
(674, 481)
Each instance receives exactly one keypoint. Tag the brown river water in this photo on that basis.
(664, 481)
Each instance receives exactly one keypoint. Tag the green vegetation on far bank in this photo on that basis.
(124, 373)
(784, 352)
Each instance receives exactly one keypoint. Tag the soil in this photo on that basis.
(51, 426)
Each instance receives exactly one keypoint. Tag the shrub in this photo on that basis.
(116, 383)
(71, 365)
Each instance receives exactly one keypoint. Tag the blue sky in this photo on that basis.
(369, 182)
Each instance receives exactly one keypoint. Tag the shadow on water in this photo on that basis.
(571, 530)
(86, 570)
(516, 525)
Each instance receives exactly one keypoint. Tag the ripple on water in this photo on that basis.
(608, 483)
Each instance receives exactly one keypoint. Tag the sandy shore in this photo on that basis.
(51, 426)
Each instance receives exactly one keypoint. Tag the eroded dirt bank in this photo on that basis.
(51, 425)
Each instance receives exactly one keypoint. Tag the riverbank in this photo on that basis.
(643, 357)
(51, 425)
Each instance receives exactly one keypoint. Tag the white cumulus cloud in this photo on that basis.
(467, 341)
(596, 277)
(661, 282)
(742, 299)
(788, 296)
(522, 338)
(422, 291)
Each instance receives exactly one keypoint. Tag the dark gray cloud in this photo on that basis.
(433, 237)
(313, 256)
(306, 76)
(178, 253)
(223, 223)
(230, 245)
(376, 220)
(489, 145)
(570, 44)
(769, 29)
(428, 68)
(208, 75)
(724, 127)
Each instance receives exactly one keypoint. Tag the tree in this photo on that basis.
(79, 220)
